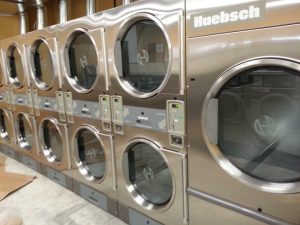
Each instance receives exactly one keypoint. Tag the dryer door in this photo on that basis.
(15, 67)
(42, 65)
(256, 137)
(144, 57)
(24, 132)
(51, 141)
(89, 154)
(147, 174)
(81, 61)
(5, 126)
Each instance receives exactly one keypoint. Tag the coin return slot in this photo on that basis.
(20, 100)
(118, 128)
(176, 140)
(47, 104)
(85, 110)
(106, 125)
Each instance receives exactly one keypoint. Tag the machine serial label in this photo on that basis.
(226, 15)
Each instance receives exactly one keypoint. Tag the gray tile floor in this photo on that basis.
(44, 202)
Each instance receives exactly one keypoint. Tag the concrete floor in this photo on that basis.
(44, 202)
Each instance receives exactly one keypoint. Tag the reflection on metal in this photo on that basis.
(40, 22)
(126, 2)
(22, 17)
(63, 12)
(237, 208)
(90, 7)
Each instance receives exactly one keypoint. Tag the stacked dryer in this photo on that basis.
(6, 121)
(243, 67)
(85, 86)
(48, 105)
(15, 59)
(146, 67)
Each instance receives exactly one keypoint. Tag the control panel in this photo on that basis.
(30, 102)
(69, 106)
(61, 105)
(105, 112)
(176, 122)
(10, 98)
(36, 101)
(117, 113)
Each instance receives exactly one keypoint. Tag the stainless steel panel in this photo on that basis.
(105, 184)
(235, 15)
(208, 58)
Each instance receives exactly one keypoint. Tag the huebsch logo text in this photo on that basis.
(228, 15)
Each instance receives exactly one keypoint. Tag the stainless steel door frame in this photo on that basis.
(208, 58)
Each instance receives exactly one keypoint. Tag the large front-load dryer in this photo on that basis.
(84, 68)
(146, 67)
(44, 69)
(17, 71)
(26, 138)
(48, 105)
(53, 146)
(93, 163)
(7, 137)
(243, 67)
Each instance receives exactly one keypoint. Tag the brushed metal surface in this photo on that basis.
(48, 36)
(273, 15)
(207, 58)
(106, 184)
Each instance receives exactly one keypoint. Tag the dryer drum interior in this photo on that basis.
(42, 64)
(147, 171)
(24, 132)
(82, 60)
(90, 155)
(15, 66)
(144, 52)
(262, 140)
(52, 144)
(5, 132)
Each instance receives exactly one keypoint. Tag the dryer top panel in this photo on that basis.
(218, 16)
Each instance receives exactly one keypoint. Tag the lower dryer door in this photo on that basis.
(53, 143)
(6, 127)
(25, 134)
(93, 161)
(152, 181)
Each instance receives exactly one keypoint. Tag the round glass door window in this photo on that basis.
(90, 155)
(148, 173)
(42, 64)
(4, 123)
(82, 61)
(24, 132)
(52, 142)
(145, 56)
(16, 73)
(259, 123)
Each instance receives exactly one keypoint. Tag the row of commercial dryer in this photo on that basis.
(171, 112)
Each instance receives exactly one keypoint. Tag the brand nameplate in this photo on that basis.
(227, 15)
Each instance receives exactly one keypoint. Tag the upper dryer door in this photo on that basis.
(43, 64)
(16, 66)
(145, 50)
(82, 55)
(252, 126)
(2, 70)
